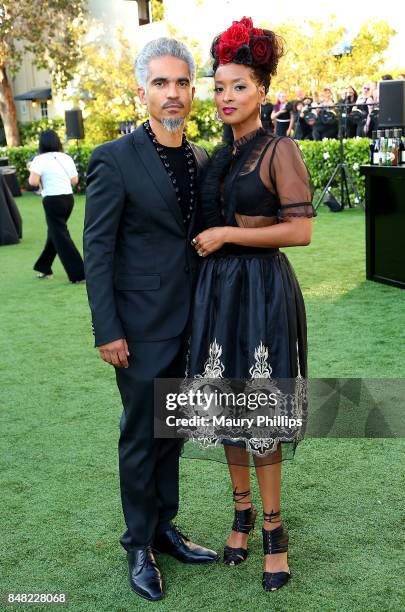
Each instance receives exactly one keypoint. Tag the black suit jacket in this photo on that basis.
(139, 263)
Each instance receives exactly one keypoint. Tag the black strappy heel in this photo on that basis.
(244, 522)
(275, 541)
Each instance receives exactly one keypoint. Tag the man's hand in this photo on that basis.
(115, 352)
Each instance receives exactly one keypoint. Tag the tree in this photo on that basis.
(107, 91)
(310, 62)
(158, 11)
(51, 31)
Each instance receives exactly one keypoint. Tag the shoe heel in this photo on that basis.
(244, 522)
(275, 541)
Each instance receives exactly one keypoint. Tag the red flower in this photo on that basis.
(257, 32)
(225, 52)
(235, 36)
(261, 49)
(247, 22)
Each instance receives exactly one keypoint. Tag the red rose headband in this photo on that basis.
(242, 43)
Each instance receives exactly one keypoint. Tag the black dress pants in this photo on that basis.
(59, 242)
(149, 467)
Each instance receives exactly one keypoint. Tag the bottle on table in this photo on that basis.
(382, 148)
(372, 147)
(401, 147)
(389, 153)
(396, 160)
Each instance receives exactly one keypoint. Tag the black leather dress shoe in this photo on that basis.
(173, 542)
(144, 575)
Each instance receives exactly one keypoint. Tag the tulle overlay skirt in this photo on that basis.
(249, 334)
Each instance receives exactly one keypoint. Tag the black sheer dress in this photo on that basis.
(248, 319)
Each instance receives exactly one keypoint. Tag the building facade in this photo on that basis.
(32, 87)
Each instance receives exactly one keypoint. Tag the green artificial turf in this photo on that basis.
(60, 514)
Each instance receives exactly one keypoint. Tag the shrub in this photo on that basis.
(201, 123)
(19, 156)
(30, 131)
(321, 158)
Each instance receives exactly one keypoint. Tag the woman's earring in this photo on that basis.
(217, 117)
(260, 112)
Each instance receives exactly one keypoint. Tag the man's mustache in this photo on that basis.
(178, 104)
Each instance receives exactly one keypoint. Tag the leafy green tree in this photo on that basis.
(107, 90)
(310, 61)
(50, 31)
(158, 10)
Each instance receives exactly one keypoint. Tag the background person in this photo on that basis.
(304, 119)
(56, 172)
(361, 109)
(349, 119)
(372, 104)
(266, 110)
(282, 116)
(326, 125)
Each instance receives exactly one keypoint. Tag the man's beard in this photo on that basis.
(172, 125)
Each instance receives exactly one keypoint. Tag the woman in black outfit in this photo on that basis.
(249, 317)
(56, 172)
(349, 119)
(326, 125)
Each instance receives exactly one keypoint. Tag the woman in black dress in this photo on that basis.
(249, 316)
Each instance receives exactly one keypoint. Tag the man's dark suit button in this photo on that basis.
(187, 269)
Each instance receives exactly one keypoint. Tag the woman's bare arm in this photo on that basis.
(34, 179)
(294, 231)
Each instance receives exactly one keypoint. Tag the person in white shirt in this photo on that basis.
(56, 172)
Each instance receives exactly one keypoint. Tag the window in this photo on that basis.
(150, 10)
(44, 109)
(144, 12)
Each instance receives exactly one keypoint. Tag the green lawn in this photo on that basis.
(60, 514)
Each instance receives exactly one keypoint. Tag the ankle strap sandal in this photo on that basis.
(243, 522)
(274, 541)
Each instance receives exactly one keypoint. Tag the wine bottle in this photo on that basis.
(376, 159)
(372, 147)
(389, 149)
(401, 146)
(383, 150)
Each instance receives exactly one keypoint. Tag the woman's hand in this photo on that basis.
(209, 241)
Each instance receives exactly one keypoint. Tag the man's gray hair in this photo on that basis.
(159, 48)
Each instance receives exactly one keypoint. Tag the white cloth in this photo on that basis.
(55, 169)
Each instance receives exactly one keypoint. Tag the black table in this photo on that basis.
(10, 176)
(10, 218)
(385, 224)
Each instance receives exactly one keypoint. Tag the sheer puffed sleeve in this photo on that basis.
(291, 180)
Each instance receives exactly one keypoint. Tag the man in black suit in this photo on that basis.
(140, 268)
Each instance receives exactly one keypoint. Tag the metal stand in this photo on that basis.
(344, 176)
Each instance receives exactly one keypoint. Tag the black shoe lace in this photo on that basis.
(272, 517)
(240, 496)
(180, 533)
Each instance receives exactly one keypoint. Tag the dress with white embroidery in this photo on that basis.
(248, 320)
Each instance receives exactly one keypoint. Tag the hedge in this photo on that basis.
(18, 157)
(321, 158)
